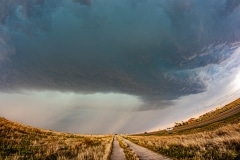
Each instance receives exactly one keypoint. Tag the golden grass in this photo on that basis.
(23, 142)
(222, 143)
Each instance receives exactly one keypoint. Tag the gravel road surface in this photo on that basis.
(117, 151)
(144, 153)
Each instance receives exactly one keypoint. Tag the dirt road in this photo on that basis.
(144, 153)
(117, 151)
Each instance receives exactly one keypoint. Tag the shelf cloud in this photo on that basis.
(157, 51)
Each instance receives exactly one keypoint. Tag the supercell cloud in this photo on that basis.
(157, 50)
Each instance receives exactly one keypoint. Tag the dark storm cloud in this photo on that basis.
(139, 47)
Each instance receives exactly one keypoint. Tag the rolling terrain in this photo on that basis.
(220, 144)
(214, 135)
(228, 114)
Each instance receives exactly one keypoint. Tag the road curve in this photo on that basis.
(117, 151)
(144, 153)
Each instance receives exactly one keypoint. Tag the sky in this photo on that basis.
(111, 66)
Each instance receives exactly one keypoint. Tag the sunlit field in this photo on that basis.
(22, 142)
(222, 143)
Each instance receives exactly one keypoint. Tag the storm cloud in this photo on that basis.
(157, 50)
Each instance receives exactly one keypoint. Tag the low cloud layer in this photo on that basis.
(143, 48)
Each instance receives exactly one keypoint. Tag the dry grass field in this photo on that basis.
(215, 141)
(220, 144)
(218, 140)
(23, 142)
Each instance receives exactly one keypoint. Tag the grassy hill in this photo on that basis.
(228, 114)
(220, 144)
(18, 141)
(214, 135)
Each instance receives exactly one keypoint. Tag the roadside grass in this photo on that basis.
(23, 142)
(129, 154)
(222, 143)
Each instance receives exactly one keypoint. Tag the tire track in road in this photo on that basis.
(117, 151)
(144, 153)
